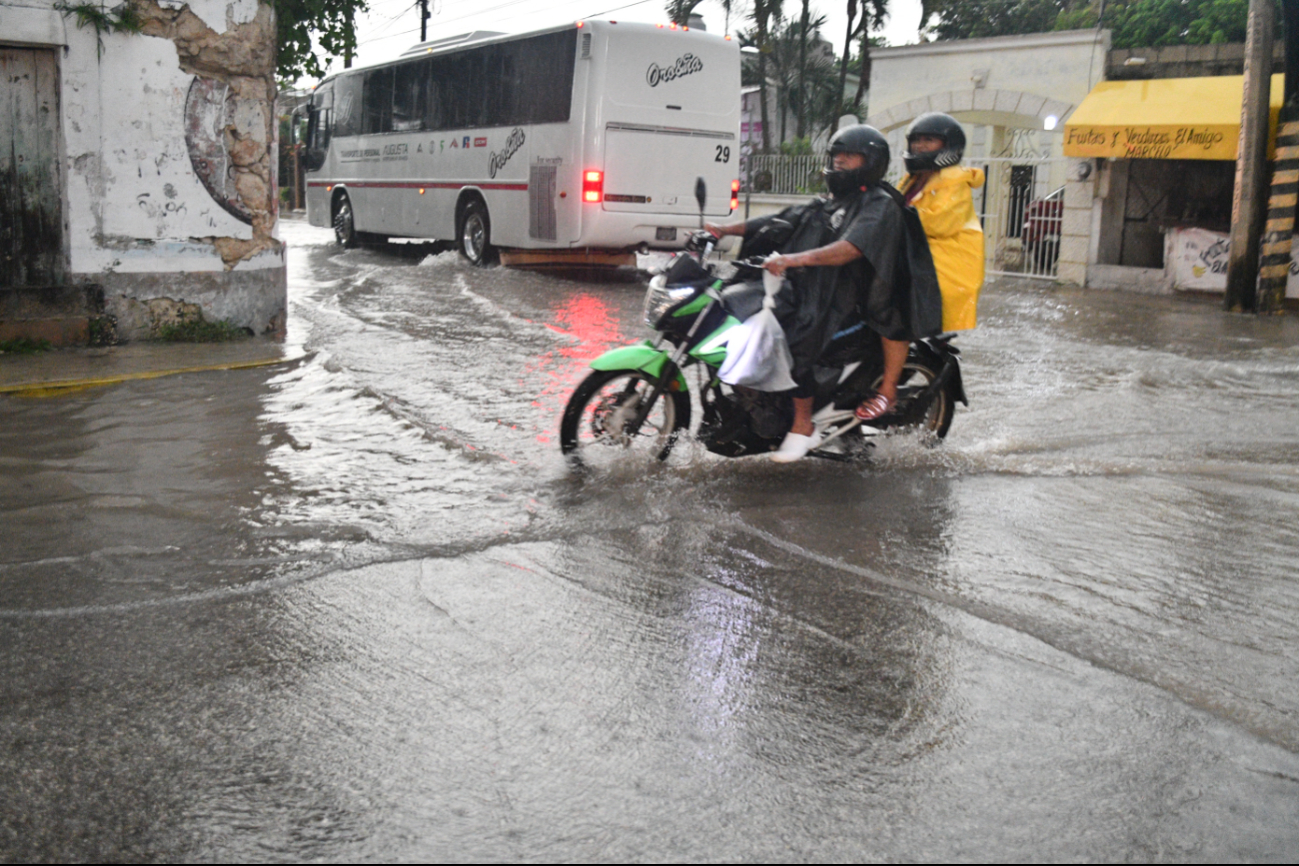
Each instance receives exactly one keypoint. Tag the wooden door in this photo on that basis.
(31, 219)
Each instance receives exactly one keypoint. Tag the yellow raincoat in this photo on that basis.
(946, 208)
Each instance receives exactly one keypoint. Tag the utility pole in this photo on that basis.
(1251, 162)
(423, 20)
(1278, 234)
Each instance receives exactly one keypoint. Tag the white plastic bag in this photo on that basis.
(757, 355)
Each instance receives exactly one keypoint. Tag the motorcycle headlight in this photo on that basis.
(659, 299)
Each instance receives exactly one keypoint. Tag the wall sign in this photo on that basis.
(1152, 142)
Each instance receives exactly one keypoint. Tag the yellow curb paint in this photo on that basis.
(68, 386)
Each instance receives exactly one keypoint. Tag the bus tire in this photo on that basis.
(476, 235)
(345, 224)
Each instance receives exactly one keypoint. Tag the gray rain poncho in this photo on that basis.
(892, 288)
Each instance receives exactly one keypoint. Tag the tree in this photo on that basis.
(873, 14)
(1153, 23)
(1133, 23)
(679, 10)
(762, 13)
(864, 76)
(805, 80)
(974, 19)
(333, 24)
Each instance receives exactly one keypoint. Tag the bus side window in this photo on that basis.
(453, 85)
(376, 101)
(544, 70)
(434, 101)
(501, 88)
(469, 93)
(408, 96)
(316, 134)
(346, 117)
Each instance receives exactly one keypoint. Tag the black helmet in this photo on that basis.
(870, 143)
(942, 126)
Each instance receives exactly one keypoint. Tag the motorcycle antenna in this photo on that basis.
(701, 195)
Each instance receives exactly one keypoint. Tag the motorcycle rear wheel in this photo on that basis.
(916, 376)
(594, 426)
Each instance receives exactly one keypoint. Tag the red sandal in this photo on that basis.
(874, 408)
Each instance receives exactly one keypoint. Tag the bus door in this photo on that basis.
(315, 153)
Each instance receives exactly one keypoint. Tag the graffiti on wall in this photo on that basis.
(209, 114)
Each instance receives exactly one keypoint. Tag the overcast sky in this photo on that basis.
(393, 25)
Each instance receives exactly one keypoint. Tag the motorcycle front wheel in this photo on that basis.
(597, 421)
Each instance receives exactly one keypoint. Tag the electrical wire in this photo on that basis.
(394, 18)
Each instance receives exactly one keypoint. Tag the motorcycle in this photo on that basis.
(637, 398)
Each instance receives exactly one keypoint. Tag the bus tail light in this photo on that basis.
(592, 186)
(735, 194)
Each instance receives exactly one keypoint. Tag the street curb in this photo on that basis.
(64, 386)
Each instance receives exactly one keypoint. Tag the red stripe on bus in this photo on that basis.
(517, 187)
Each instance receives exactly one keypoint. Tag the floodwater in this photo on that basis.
(358, 607)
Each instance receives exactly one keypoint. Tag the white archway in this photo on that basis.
(1011, 109)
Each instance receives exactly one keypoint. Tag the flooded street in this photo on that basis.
(358, 607)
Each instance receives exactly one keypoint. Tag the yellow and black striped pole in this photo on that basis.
(1278, 232)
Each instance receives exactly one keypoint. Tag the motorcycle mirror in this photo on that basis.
(701, 196)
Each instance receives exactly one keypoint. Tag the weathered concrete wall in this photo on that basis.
(169, 145)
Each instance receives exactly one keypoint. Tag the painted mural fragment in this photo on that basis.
(209, 110)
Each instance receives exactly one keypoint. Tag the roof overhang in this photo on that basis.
(1164, 118)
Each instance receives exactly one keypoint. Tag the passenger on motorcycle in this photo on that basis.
(941, 190)
(846, 263)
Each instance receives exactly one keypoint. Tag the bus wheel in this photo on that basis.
(344, 225)
(476, 235)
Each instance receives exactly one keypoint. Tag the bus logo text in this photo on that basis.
(686, 64)
(500, 157)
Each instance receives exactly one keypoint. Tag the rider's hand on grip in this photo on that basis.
(700, 240)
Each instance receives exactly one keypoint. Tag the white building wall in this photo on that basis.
(139, 219)
(997, 87)
(1008, 81)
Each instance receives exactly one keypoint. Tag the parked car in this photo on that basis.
(1041, 236)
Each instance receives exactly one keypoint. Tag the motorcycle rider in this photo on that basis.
(846, 259)
(940, 189)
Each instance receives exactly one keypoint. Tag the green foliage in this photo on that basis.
(103, 330)
(124, 18)
(307, 28)
(796, 147)
(679, 10)
(976, 19)
(1134, 23)
(199, 331)
(1155, 23)
(23, 346)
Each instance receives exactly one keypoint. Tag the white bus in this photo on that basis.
(585, 137)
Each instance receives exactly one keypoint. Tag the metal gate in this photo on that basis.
(1021, 206)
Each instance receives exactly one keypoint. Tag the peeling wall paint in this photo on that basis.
(168, 143)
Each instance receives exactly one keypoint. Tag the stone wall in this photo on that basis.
(169, 143)
(1184, 61)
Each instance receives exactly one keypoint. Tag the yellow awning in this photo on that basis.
(1164, 118)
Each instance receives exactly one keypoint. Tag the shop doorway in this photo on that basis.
(31, 214)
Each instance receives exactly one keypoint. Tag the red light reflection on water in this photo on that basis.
(594, 329)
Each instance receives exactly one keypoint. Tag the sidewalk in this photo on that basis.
(62, 370)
